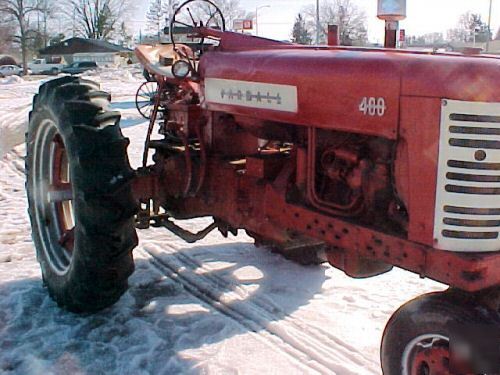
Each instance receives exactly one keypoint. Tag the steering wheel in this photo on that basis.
(191, 15)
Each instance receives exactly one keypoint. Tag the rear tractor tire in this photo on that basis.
(80, 201)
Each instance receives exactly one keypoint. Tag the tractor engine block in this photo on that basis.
(352, 177)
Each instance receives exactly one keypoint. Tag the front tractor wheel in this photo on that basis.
(80, 201)
(441, 334)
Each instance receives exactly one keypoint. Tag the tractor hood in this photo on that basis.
(346, 89)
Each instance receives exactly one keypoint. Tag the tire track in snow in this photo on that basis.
(321, 351)
(274, 310)
(208, 296)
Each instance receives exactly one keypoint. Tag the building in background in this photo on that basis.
(494, 48)
(80, 49)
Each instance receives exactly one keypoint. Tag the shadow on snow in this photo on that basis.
(156, 320)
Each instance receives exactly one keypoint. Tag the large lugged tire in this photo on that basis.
(80, 200)
(417, 339)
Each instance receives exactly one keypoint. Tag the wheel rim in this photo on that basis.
(145, 98)
(427, 355)
(53, 196)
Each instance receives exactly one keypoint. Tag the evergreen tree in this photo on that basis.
(155, 16)
(56, 39)
(300, 33)
(169, 7)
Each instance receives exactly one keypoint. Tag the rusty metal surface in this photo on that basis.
(387, 162)
(240, 200)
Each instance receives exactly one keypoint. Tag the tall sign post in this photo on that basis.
(391, 11)
(489, 27)
(318, 25)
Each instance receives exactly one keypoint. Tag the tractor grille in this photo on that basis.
(467, 216)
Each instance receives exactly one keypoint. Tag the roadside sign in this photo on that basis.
(391, 10)
(247, 25)
(402, 35)
(242, 24)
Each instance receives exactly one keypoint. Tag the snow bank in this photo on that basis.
(11, 80)
(16, 96)
(13, 125)
(110, 74)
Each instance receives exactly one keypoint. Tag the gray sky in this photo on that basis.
(424, 16)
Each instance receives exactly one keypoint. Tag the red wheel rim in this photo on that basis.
(145, 98)
(61, 194)
(432, 361)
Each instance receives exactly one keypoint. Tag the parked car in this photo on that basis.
(80, 67)
(10, 70)
(42, 66)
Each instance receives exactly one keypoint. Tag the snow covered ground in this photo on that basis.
(220, 306)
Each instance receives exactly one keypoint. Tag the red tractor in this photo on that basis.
(366, 158)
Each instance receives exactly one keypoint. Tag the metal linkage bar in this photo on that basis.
(189, 237)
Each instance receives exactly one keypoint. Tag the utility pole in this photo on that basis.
(318, 25)
(257, 18)
(489, 27)
(74, 20)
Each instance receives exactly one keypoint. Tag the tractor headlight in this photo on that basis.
(181, 69)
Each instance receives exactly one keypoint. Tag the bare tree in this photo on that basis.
(125, 37)
(98, 19)
(470, 27)
(48, 10)
(346, 14)
(20, 12)
(231, 9)
(6, 31)
(435, 40)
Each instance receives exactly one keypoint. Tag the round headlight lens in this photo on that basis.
(181, 69)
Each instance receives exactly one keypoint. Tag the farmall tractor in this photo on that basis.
(366, 158)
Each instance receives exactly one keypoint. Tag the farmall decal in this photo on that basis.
(251, 94)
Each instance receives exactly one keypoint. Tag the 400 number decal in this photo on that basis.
(373, 106)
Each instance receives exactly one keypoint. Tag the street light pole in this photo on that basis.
(489, 27)
(317, 23)
(257, 18)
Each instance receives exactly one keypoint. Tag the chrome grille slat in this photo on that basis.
(473, 117)
(471, 223)
(467, 216)
(475, 143)
(473, 165)
(474, 130)
(472, 177)
(471, 211)
(470, 235)
(472, 190)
